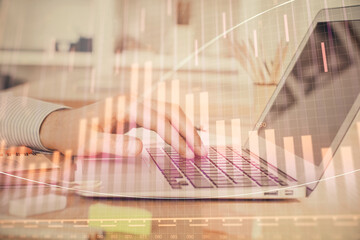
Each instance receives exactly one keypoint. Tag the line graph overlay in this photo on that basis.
(224, 33)
(350, 219)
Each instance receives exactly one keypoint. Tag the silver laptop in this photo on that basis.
(296, 136)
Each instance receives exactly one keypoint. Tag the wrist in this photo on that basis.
(51, 128)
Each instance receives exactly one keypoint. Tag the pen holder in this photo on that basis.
(261, 70)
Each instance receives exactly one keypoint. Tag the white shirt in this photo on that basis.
(21, 119)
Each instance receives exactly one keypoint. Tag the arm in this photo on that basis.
(99, 127)
(21, 119)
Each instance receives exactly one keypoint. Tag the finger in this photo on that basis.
(184, 126)
(117, 144)
(174, 138)
(152, 120)
(18, 150)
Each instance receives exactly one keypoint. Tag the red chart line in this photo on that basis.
(324, 56)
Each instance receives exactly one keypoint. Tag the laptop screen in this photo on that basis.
(317, 95)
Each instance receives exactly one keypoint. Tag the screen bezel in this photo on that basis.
(325, 15)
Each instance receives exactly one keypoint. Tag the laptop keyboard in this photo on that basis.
(224, 167)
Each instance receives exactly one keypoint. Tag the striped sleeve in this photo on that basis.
(21, 119)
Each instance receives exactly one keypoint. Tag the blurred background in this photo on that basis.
(163, 31)
(86, 50)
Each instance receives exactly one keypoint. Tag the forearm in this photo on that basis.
(21, 119)
(53, 129)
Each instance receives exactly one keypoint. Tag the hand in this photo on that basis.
(100, 128)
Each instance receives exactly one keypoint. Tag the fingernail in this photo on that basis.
(189, 153)
(204, 150)
(135, 147)
(198, 150)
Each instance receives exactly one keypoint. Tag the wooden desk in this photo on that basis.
(331, 212)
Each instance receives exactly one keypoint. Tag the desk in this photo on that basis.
(331, 212)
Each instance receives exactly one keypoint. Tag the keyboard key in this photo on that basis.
(267, 183)
(282, 183)
(198, 179)
(185, 165)
(217, 174)
(172, 174)
(168, 149)
(175, 186)
(240, 177)
(210, 169)
(259, 176)
(230, 169)
(242, 181)
(236, 174)
(223, 183)
(163, 162)
(155, 151)
(201, 183)
(201, 160)
(224, 164)
(194, 174)
(220, 180)
(172, 181)
(205, 166)
(169, 169)
(224, 167)
(225, 186)
(241, 163)
(188, 170)
(249, 167)
(250, 184)
(183, 183)
(251, 171)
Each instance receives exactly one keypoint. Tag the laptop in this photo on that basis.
(300, 129)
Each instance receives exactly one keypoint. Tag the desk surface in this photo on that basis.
(331, 212)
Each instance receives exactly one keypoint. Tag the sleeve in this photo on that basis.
(21, 119)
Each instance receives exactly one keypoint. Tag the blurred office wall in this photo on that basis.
(34, 24)
(164, 27)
